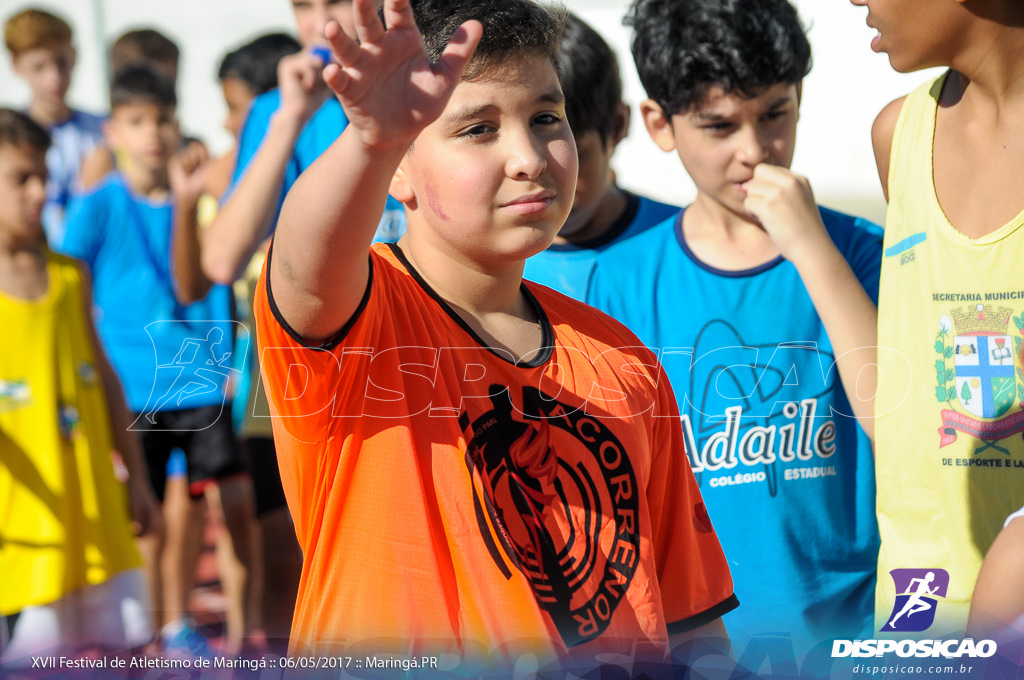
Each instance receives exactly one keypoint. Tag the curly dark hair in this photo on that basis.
(512, 28)
(589, 71)
(683, 48)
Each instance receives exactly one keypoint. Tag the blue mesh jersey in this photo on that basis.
(322, 129)
(167, 356)
(71, 142)
(787, 474)
(567, 267)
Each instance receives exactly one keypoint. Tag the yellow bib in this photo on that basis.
(949, 447)
(63, 515)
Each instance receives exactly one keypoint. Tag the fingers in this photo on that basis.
(368, 25)
(192, 156)
(460, 50)
(335, 78)
(398, 15)
(345, 49)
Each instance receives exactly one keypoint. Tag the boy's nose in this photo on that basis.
(751, 150)
(527, 159)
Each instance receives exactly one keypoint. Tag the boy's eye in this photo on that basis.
(478, 130)
(776, 114)
(717, 127)
(547, 119)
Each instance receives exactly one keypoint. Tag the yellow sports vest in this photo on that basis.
(949, 447)
(63, 515)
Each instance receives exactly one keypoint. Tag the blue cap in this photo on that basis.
(323, 53)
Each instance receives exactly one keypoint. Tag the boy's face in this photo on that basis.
(22, 191)
(595, 177)
(147, 133)
(722, 139)
(494, 175)
(237, 96)
(914, 33)
(47, 70)
(311, 16)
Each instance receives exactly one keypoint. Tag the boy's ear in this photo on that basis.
(621, 127)
(400, 188)
(659, 126)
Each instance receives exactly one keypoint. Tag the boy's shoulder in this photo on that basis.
(643, 246)
(567, 316)
(89, 123)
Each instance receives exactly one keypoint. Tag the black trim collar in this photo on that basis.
(547, 333)
(725, 273)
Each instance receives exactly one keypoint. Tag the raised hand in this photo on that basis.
(302, 90)
(386, 82)
(187, 171)
(784, 205)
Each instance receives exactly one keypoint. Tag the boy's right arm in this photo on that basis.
(390, 92)
(882, 132)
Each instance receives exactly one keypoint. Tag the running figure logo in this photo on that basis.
(916, 599)
(196, 373)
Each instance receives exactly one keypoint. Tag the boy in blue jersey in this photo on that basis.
(42, 53)
(285, 130)
(171, 359)
(764, 309)
(602, 212)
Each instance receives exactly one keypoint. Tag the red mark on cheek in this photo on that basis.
(434, 201)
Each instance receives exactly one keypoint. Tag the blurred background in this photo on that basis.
(845, 90)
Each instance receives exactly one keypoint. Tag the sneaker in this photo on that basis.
(187, 643)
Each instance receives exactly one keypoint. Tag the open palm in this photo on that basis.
(386, 82)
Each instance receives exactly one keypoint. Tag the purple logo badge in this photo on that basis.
(917, 593)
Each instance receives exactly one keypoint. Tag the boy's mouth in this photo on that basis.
(530, 203)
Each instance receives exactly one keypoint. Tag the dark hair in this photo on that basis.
(139, 83)
(682, 48)
(17, 129)
(589, 71)
(255, 63)
(142, 45)
(512, 28)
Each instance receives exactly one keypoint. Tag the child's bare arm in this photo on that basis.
(188, 174)
(882, 132)
(145, 510)
(390, 91)
(785, 206)
(244, 221)
(998, 598)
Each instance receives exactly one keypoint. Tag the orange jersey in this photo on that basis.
(448, 498)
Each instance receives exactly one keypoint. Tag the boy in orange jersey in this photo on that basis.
(475, 465)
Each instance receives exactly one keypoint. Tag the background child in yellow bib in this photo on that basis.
(949, 419)
(67, 556)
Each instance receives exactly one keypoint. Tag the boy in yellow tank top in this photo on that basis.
(70, 569)
(950, 402)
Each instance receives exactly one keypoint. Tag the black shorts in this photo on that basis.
(206, 436)
(268, 494)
